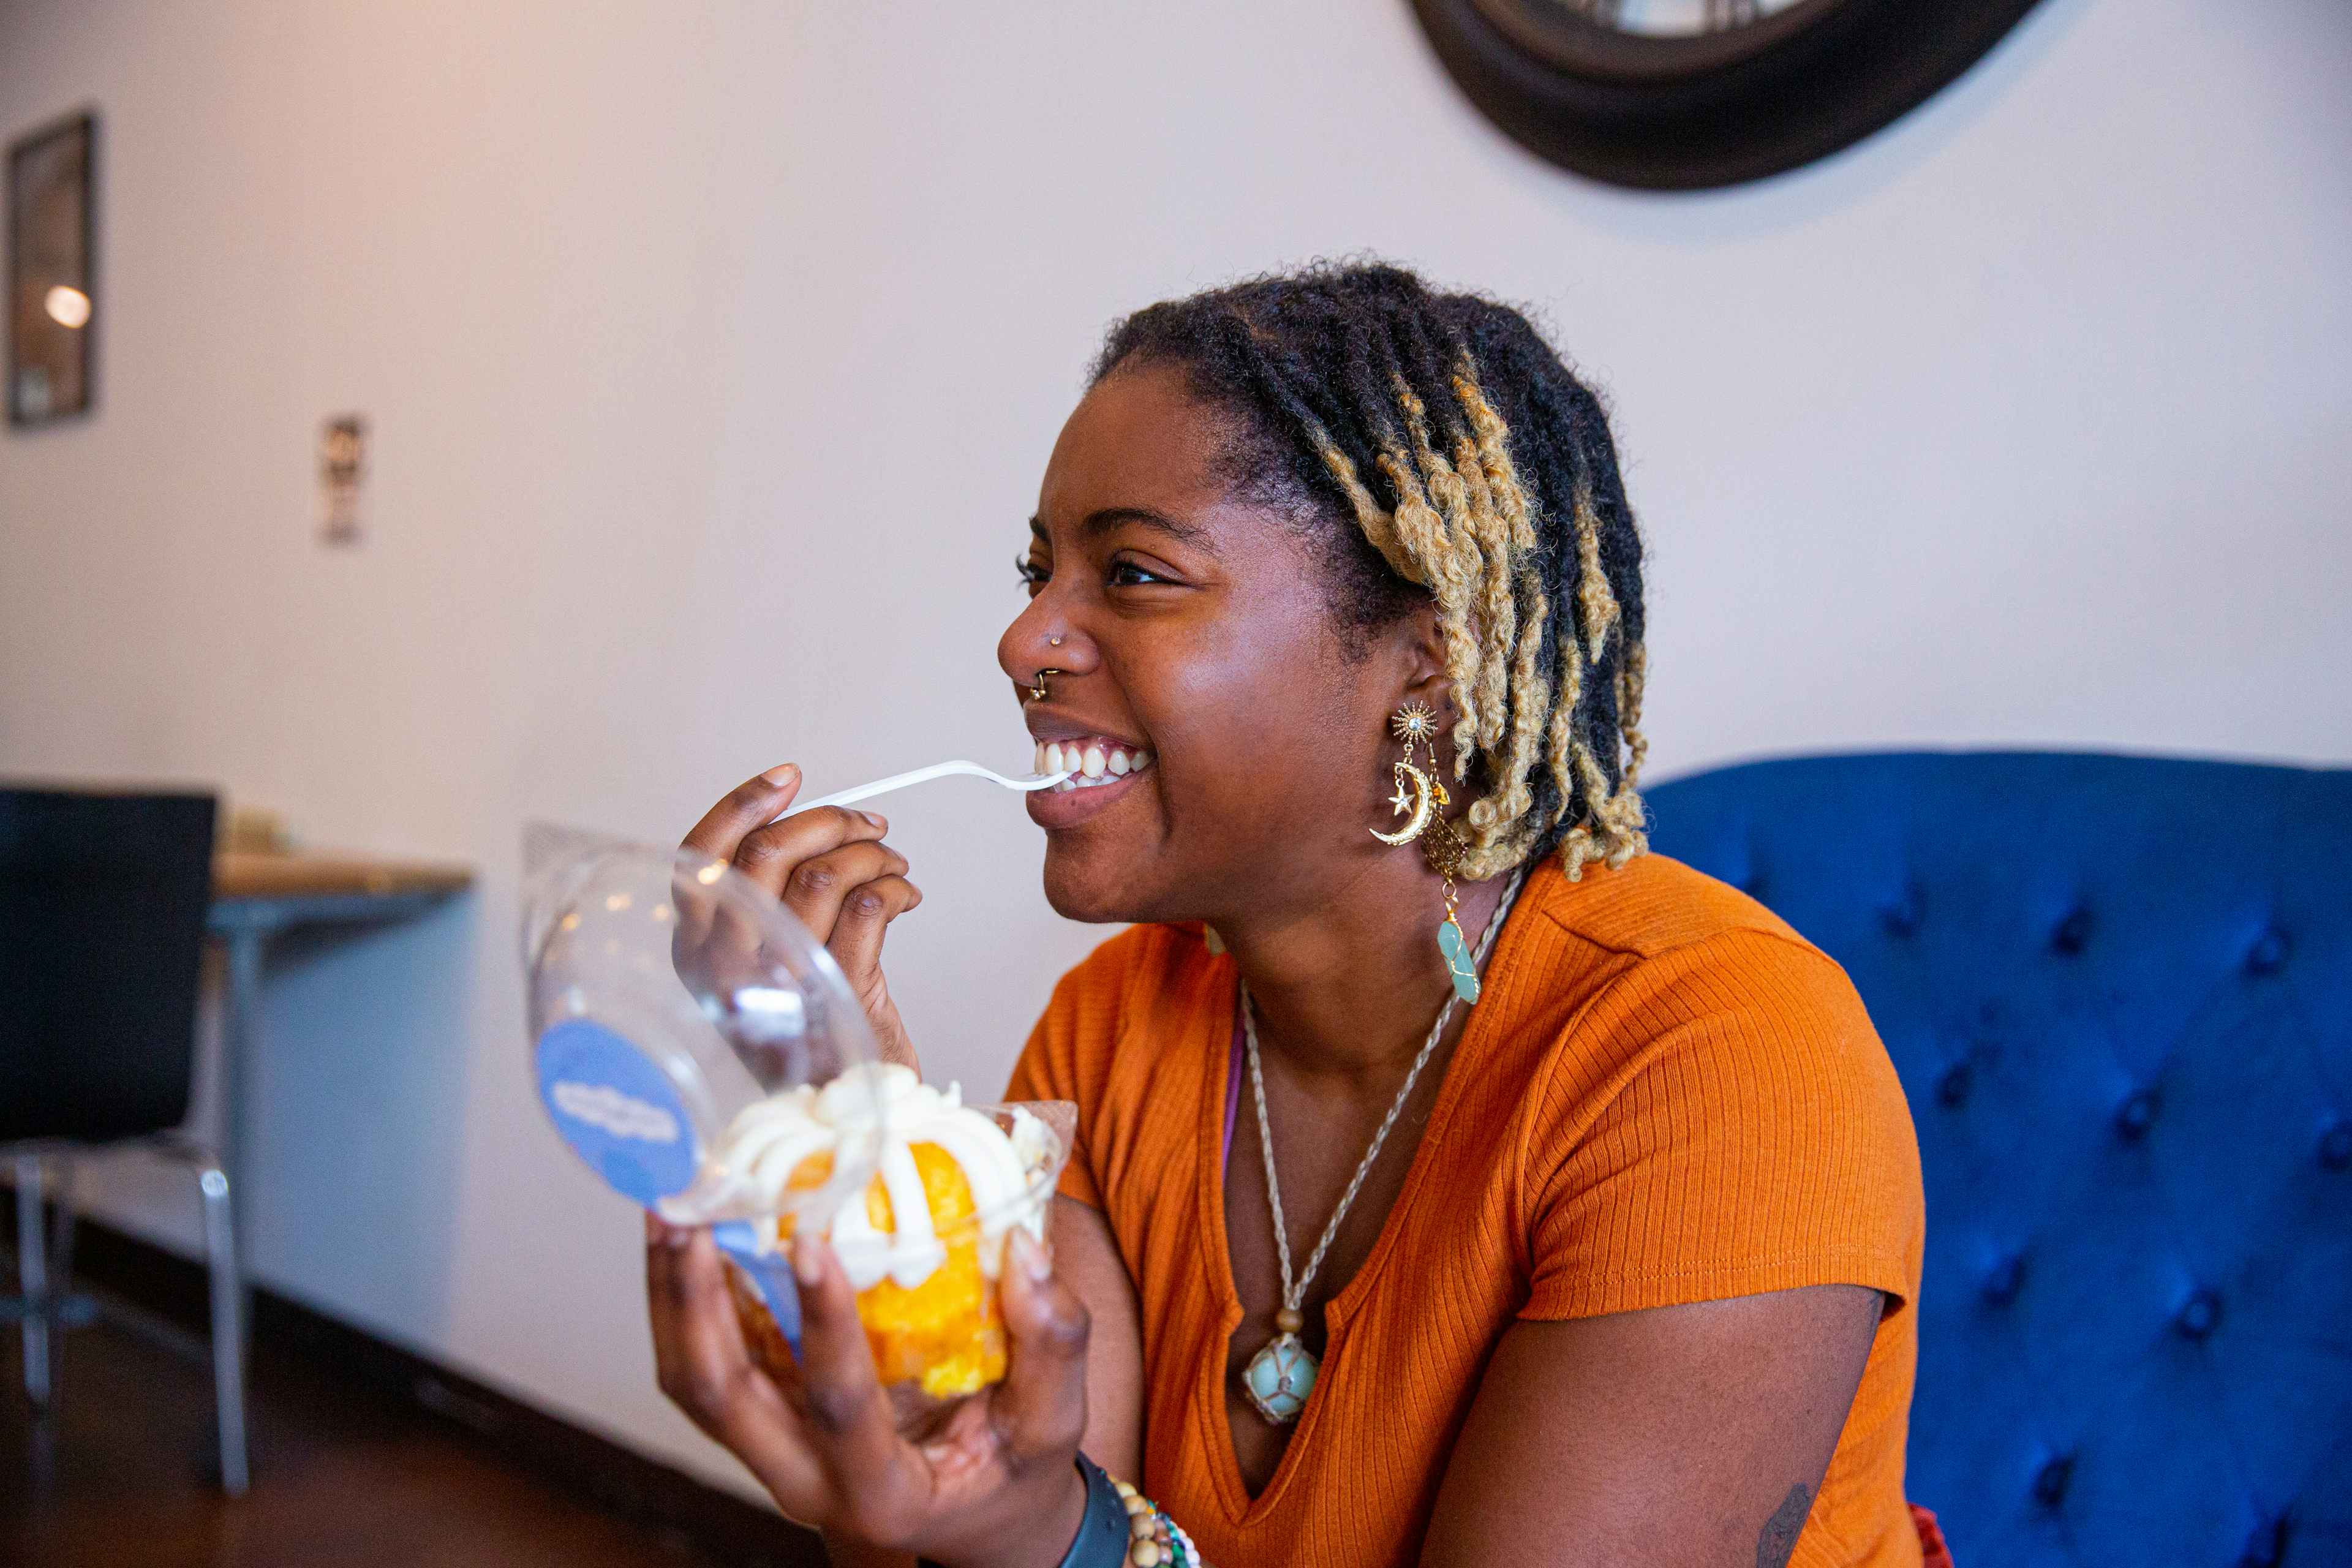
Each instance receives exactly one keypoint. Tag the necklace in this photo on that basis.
(1278, 1379)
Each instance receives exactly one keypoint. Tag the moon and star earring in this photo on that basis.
(1421, 794)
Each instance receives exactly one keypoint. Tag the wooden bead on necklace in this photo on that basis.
(1289, 1322)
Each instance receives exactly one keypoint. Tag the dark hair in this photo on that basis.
(1449, 453)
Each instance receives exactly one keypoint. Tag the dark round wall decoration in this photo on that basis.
(1688, 94)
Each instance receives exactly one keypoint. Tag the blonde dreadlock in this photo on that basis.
(1477, 470)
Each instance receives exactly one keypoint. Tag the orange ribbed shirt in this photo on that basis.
(1665, 1095)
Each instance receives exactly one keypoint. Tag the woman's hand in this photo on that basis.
(831, 869)
(995, 1485)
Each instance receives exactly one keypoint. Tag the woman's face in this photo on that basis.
(1196, 632)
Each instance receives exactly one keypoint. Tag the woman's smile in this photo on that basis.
(1103, 768)
(1095, 760)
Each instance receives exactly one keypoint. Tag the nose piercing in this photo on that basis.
(1053, 642)
(1037, 686)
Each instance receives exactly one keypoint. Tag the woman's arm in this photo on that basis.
(1087, 1259)
(1689, 1437)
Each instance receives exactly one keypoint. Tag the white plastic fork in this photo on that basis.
(924, 776)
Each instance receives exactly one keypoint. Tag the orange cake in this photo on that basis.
(924, 1241)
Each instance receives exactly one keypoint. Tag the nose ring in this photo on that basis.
(1037, 686)
(1053, 642)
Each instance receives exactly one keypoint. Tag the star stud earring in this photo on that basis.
(1415, 724)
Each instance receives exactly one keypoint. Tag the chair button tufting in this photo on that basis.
(2265, 1546)
(2001, 1281)
(2268, 955)
(2200, 1315)
(2336, 1147)
(2135, 1116)
(2050, 1480)
(2072, 933)
(1900, 918)
(1952, 1089)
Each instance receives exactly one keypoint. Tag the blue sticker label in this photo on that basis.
(617, 1110)
(771, 1276)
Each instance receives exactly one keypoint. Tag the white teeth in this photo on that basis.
(1091, 764)
(1037, 764)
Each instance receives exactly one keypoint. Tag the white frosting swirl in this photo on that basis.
(769, 1139)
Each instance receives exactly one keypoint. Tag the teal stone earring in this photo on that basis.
(1423, 796)
(1444, 850)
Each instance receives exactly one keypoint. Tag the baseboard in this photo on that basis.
(601, 1472)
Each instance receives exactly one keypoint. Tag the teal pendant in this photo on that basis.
(1457, 948)
(1279, 1378)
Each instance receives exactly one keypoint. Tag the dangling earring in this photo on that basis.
(1416, 792)
(1424, 795)
(1444, 851)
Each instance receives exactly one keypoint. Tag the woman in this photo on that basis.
(1615, 1265)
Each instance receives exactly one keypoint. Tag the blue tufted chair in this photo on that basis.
(2119, 993)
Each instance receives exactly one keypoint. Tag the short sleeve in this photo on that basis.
(1722, 1121)
(1069, 1052)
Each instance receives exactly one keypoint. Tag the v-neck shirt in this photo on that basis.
(1664, 1095)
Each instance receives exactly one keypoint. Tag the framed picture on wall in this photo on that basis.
(52, 271)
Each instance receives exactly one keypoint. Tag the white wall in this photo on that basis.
(712, 353)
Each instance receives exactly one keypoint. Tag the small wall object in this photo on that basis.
(52, 271)
(342, 451)
(1689, 94)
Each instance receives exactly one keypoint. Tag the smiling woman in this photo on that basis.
(1615, 1263)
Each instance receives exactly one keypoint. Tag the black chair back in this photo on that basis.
(102, 903)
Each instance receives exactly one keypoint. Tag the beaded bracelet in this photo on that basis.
(1122, 1527)
(1154, 1538)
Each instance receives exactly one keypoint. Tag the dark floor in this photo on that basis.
(121, 1473)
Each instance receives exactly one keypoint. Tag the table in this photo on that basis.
(256, 897)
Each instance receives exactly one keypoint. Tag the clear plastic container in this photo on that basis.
(674, 1003)
(668, 992)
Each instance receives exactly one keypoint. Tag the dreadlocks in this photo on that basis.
(1477, 471)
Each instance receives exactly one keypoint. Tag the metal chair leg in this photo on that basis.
(228, 1331)
(33, 1278)
(66, 1309)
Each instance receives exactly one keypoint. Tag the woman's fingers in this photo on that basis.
(850, 1421)
(834, 1456)
(811, 860)
(699, 1350)
(741, 811)
(865, 914)
(1041, 1406)
(704, 1368)
(770, 855)
(749, 805)
(829, 869)
(663, 1303)
(819, 886)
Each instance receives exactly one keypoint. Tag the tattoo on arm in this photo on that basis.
(1778, 1537)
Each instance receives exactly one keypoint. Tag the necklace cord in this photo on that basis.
(1294, 1294)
